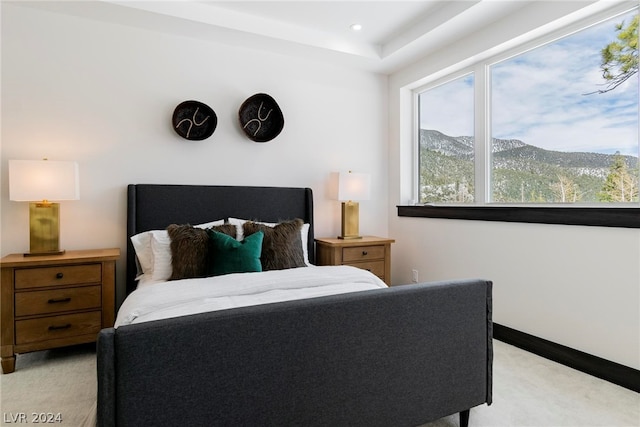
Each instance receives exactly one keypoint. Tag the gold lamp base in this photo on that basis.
(44, 229)
(350, 220)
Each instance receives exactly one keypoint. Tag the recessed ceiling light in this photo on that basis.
(355, 27)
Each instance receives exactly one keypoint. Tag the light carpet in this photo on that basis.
(60, 381)
(527, 391)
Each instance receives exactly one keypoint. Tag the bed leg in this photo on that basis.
(464, 418)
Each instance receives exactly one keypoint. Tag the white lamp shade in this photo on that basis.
(36, 180)
(354, 186)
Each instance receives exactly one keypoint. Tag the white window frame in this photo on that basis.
(482, 101)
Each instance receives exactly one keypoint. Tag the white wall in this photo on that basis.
(103, 94)
(577, 286)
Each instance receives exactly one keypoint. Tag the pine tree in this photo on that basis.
(620, 57)
(620, 185)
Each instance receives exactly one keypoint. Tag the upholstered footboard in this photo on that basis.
(401, 356)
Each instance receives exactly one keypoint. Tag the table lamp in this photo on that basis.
(39, 182)
(352, 187)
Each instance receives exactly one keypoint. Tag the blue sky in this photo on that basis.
(539, 98)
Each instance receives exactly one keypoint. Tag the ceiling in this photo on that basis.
(393, 34)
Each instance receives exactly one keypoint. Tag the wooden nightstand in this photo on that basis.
(54, 300)
(370, 253)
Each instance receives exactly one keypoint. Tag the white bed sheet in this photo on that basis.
(160, 300)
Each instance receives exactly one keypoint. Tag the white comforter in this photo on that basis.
(189, 296)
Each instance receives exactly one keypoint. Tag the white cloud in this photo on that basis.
(540, 98)
(449, 108)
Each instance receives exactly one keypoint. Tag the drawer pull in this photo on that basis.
(365, 253)
(58, 300)
(58, 328)
(59, 275)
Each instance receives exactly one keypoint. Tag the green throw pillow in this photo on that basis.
(227, 255)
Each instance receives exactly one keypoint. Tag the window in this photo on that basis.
(557, 132)
(446, 143)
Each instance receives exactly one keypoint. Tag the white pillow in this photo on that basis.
(239, 230)
(142, 246)
(153, 250)
(161, 250)
(304, 234)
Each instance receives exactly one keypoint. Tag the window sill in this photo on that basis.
(599, 217)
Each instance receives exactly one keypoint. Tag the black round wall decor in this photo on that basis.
(194, 120)
(261, 118)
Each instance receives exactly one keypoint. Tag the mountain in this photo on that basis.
(460, 147)
(521, 172)
(514, 152)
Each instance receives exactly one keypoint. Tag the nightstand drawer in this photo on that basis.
(58, 300)
(54, 327)
(376, 267)
(362, 253)
(58, 276)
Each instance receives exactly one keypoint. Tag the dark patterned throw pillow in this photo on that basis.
(190, 249)
(281, 246)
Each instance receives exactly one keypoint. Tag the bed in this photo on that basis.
(370, 356)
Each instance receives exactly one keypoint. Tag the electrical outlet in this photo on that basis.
(414, 276)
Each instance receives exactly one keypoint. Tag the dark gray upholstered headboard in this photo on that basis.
(155, 206)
